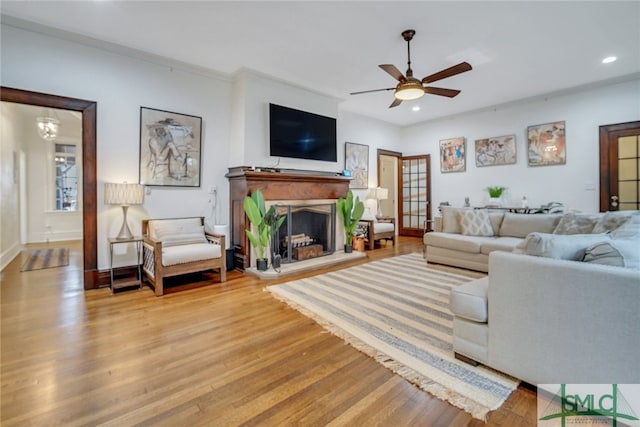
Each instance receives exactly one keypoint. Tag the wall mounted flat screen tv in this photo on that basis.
(301, 135)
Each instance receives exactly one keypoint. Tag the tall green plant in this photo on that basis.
(265, 222)
(350, 212)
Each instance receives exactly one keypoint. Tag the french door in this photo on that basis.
(620, 167)
(415, 191)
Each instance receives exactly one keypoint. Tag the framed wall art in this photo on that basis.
(498, 150)
(356, 160)
(452, 155)
(546, 144)
(170, 147)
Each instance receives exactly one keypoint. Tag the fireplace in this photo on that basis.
(307, 232)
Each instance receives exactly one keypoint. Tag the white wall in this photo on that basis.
(120, 85)
(10, 137)
(575, 184)
(251, 125)
(375, 134)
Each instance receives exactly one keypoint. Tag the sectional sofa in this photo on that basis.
(560, 307)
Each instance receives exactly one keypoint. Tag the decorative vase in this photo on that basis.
(348, 249)
(495, 201)
(261, 264)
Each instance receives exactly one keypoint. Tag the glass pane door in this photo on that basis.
(415, 206)
(628, 173)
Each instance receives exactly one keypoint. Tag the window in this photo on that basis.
(66, 189)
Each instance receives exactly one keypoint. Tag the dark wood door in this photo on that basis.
(415, 201)
(620, 166)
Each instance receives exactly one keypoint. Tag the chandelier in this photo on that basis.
(48, 128)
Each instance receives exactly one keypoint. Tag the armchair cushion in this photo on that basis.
(182, 254)
(381, 227)
(177, 232)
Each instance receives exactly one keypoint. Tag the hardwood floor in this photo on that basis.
(222, 354)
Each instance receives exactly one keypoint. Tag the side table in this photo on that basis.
(125, 282)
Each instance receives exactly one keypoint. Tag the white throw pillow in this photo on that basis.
(475, 223)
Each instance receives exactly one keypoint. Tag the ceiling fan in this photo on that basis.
(410, 87)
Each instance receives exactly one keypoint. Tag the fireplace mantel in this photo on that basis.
(284, 185)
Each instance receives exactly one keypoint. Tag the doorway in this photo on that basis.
(410, 179)
(620, 167)
(88, 110)
(388, 179)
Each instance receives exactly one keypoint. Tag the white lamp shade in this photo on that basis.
(382, 193)
(123, 194)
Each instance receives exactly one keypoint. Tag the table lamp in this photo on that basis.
(124, 195)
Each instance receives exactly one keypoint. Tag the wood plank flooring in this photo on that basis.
(217, 355)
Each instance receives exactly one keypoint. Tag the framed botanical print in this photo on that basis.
(170, 147)
(546, 144)
(356, 160)
(497, 150)
(452, 155)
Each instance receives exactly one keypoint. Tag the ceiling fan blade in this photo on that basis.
(393, 71)
(448, 72)
(441, 91)
(395, 102)
(372, 90)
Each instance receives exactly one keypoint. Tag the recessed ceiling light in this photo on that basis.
(416, 108)
(609, 59)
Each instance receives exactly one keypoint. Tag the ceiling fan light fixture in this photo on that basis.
(409, 90)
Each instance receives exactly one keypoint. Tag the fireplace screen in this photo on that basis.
(308, 231)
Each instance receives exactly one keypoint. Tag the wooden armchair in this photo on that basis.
(177, 246)
(379, 229)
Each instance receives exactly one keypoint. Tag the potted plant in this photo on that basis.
(350, 212)
(495, 194)
(265, 222)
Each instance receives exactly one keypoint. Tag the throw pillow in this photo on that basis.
(450, 220)
(559, 246)
(628, 230)
(179, 232)
(572, 223)
(475, 223)
(620, 253)
(520, 225)
(611, 221)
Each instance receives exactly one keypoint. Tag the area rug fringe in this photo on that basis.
(475, 409)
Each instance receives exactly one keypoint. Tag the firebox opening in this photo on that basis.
(307, 232)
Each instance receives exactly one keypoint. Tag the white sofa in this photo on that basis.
(469, 247)
(551, 321)
(565, 309)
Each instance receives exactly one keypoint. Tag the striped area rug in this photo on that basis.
(397, 311)
(46, 258)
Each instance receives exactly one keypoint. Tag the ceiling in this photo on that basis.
(517, 49)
